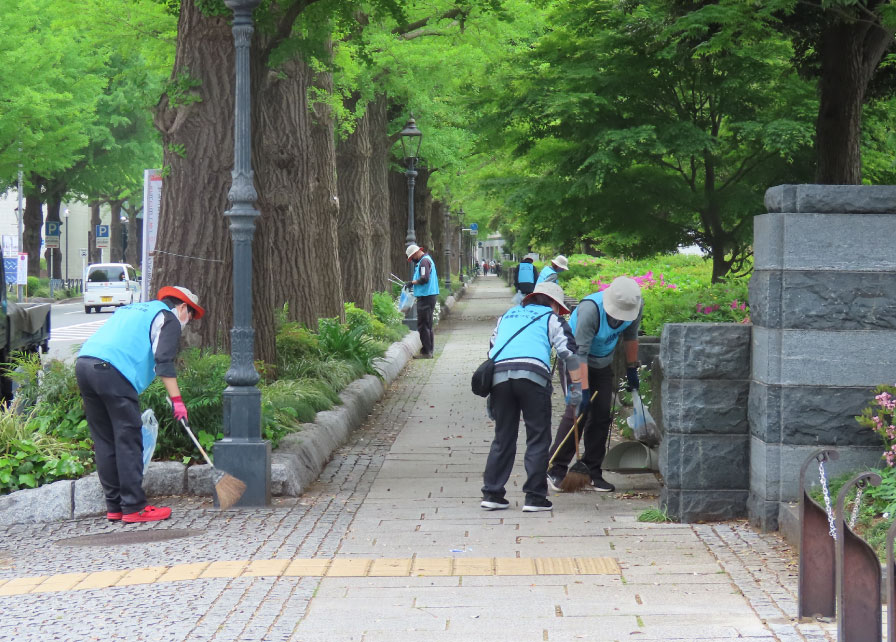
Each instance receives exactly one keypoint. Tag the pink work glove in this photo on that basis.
(178, 408)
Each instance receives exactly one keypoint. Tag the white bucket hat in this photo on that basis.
(622, 300)
(552, 291)
(411, 250)
(561, 262)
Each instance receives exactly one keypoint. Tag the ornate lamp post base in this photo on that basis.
(244, 456)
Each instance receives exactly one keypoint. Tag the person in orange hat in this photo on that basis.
(114, 366)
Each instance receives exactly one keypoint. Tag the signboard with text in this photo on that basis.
(152, 203)
(22, 271)
(102, 237)
(51, 234)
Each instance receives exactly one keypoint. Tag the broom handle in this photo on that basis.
(574, 427)
(196, 441)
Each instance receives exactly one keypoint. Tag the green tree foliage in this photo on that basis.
(640, 127)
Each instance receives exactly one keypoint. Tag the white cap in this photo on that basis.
(622, 300)
(411, 250)
(552, 291)
(561, 262)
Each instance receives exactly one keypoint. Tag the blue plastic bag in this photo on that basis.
(406, 300)
(150, 432)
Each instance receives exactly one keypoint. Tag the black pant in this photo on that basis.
(426, 305)
(525, 288)
(113, 415)
(595, 430)
(508, 399)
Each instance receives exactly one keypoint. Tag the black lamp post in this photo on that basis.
(446, 236)
(460, 242)
(242, 452)
(411, 137)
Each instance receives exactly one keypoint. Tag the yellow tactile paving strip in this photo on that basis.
(339, 567)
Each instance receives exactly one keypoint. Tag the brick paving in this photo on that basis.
(404, 493)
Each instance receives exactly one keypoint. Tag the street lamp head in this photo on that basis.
(411, 137)
(66, 213)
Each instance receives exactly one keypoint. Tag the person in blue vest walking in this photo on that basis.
(525, 276)
(426, 289)
(549, 273)
(114, 366)
(521, 346)
(598, 322)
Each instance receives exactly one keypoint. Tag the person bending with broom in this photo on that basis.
(598, 322)
(114, 366)
(521, 349)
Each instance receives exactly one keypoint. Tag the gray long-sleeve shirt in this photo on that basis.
(587, 324)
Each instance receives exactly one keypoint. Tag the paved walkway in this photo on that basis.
(391, 545)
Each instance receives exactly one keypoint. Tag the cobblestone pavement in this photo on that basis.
(401, 500)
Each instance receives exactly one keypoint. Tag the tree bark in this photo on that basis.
(53, 256)
(381, 224)
(398, 208)
(353, 157)
(850, 53)
(115, 244)
(93, 251)
(437, 234)
(32, 226)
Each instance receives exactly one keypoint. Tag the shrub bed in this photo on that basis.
(51, 440)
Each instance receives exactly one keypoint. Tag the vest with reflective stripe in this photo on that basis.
(525, 273)
(605, 338)
(532, 343)
(123, 341)
(431, 286)
(546, 271)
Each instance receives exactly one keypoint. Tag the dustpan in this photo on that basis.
(630, 458)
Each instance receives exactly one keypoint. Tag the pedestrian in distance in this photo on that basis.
(598, 322)
(139, 342)
(426, 288)
(521, 344)
(550, 273)
(525, 276)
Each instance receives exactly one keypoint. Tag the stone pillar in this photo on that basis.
(704, 453)
(823, 306)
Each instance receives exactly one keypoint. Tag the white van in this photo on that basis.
(110, 284)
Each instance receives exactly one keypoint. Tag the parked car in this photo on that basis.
(110, 284)
(24, 327)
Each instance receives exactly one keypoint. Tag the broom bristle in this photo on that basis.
(574, 481)
(229, 489)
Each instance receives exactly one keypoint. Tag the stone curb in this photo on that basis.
(296, 463)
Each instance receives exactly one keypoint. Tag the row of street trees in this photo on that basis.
(628, 125)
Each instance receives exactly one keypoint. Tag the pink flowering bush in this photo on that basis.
(879, 417)
(676, 288)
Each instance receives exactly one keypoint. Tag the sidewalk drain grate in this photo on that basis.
(146, 536)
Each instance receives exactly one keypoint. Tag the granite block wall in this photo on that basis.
(823, 306)
(704, 379)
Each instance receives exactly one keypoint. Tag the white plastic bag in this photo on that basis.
(150, 432)
(642, 423)
(406, 300)
(517, 298)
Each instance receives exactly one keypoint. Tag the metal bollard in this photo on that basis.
(817, 582)
(858, 574)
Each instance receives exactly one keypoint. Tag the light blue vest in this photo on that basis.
(525, 273)
(124, 342)
(546, 271)
(431, 286)
(606, 338)
(532, 343)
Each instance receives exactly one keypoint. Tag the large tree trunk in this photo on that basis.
(193, 242)
(850, 53)
(54, 255)
(32, 226)
(115, 240)
(422, 209)
(93, 252)
(437, 232)
(295, 157)
(381, 238)
(355, 229)
(398, 215)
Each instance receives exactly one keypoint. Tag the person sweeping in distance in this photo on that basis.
(114, 366)
(550, 273)
(598, 322)
(521, 345)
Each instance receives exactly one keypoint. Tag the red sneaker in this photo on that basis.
(113, 517)
(148, 514)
